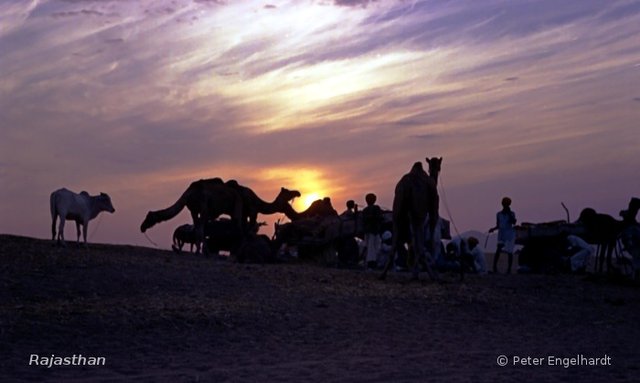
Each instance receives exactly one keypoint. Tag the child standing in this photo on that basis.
(372, 225)
(505, 222)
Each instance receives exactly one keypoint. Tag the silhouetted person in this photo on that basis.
(372, 225)
(351, 207)
(505, 222)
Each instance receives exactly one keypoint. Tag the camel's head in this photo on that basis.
(287, 195)
(629, 215)
(587, 215)
(435, 164)
(150, 220)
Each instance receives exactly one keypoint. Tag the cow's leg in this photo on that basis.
(54, 220)
(78, 232)
(85, 226)
(61, 230)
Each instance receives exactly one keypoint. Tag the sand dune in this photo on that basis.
(156, 316)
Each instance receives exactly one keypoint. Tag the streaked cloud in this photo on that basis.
(143, 97)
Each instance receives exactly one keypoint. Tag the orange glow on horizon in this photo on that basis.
(305, 201)
(310, 182)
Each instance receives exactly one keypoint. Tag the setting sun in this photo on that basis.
(306, 201)
(311, 183)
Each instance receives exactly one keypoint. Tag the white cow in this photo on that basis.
(77, 207)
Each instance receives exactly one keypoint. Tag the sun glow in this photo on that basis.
(310, 182)
(306, 200)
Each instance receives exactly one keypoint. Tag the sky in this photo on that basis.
(535, 100)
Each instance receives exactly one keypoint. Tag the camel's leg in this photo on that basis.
(610, 247)
(200, 243)
(417, 248)
(198, 227)
(601, 254)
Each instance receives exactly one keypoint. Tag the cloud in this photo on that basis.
(143, 97)
(353, 3)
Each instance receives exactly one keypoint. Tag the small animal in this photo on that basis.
(185, 234)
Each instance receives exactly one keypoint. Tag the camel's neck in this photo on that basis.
(291, 213)
(276, 206)
(158, 216)
(434, 174)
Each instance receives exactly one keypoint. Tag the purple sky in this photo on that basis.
(537, 100)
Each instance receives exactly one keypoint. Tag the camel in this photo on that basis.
(210, 198)
(629, 215)
(206, 200)
(252, 204)
(435, 165)
(318, 208)
(603, 230)
(415, 202)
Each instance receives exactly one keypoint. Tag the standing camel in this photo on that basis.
(415, 204)
(603, 230)
(252, 205)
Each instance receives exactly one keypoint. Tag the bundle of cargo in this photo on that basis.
(528, 232)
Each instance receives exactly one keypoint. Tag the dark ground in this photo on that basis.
(156, 316)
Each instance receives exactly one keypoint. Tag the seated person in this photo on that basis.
(468, 252)
(582, 251)
(448, 260)
(477, 254)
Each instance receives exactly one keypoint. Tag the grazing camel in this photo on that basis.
(80, 208)
(210, 198)
(206, 200)
(415, 203)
